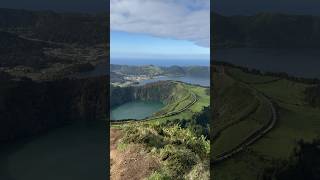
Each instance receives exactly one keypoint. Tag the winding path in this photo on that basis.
(193, 95)
(44, 41)
(255, 136)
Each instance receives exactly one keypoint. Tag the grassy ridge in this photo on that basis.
(243, 113)
(185, 100)
(296, 121)
(177, 135)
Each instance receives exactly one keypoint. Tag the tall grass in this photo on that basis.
(179, 148)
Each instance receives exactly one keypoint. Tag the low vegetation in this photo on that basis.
(180, 140)
(304, 164)
(242, 109)
(180, 145)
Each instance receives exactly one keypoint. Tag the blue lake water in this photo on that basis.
(203, 81)
(136, 110)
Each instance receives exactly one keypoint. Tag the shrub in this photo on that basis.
(199, 171)
(179, 136)
(159, 175)
(143, 135)
(177, 160)
(178, 148)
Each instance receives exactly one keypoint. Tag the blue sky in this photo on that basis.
(133, 45)
(160, 29)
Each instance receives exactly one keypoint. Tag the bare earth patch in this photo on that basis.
(132, 163)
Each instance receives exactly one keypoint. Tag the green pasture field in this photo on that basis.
(296, 121)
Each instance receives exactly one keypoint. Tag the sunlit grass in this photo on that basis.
(179, 148)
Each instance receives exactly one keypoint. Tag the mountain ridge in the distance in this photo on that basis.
(266, 30)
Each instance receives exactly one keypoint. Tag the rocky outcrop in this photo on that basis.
(30, 108)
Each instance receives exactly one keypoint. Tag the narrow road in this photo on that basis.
(255, 136)
(194, 97)
(44, 41)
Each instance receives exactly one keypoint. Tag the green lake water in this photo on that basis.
(136, 110)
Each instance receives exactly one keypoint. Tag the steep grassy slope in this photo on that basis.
(177, 136)
(242, 112)
(296, 120)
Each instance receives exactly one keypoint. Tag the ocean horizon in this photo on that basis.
(161, 62)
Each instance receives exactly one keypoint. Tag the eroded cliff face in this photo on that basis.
(159, 91)
(30, 108)
(164, 91)
(119, 95)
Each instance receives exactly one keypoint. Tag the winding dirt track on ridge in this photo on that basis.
(44, 41)
(131, 163)
(256, 135)
(194, 97)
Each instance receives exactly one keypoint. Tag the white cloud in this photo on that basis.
(178, 19)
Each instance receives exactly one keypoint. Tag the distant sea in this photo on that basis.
(162, 62)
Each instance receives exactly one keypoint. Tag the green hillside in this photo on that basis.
(260, 121)
(151, 70)
(177, 135)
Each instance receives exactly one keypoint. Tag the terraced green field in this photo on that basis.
(242, 103)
